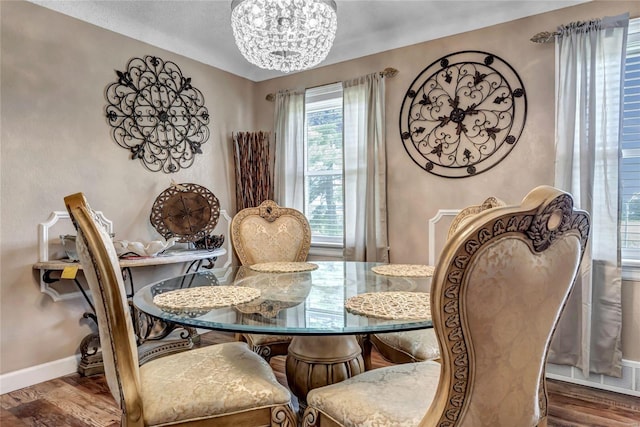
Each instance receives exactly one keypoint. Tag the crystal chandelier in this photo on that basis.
(284, 35)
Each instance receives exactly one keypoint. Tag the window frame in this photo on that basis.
(317, 99)
(630, 258)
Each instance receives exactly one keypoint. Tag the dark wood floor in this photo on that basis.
(75, 401)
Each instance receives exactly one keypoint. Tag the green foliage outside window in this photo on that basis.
(324, 172)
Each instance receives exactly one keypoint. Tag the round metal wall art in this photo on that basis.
(463, 114)
(157, 114)
(188, 212)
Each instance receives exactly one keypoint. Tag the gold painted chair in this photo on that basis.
(224, 384)
(269, 233)
(419, 345)
(498, 290)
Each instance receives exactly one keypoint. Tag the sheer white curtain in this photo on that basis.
(589, 73)
(289, 151)
(365, 198)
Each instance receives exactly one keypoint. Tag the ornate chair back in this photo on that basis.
(236, 387)
(497, 294)
(419, 345)
(467, 213)
(270, 233)
(102, 271)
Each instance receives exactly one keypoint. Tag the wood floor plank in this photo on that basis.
(7, 419)
(560, 423)
(28, 394)
(91, 409)
(591, 395)
(579, 415)
(593, 410)
(96, 387)
(40, 413)
(89, 384)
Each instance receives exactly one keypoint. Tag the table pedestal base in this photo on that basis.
(316, 361)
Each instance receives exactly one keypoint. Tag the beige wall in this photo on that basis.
(414, 195)
(55, 140)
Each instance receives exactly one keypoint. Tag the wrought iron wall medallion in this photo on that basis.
(463, 114)
(157, 114)
(187, 211)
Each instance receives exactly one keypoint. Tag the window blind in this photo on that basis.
(323, 172)
(630, 169)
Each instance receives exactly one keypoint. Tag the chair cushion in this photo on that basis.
(386, 397)
(208, 381)
(421, 344)
(264, 339)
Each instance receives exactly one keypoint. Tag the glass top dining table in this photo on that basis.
(309, 306)
(299, 303)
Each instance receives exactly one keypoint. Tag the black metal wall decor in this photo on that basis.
(157, 114)
(463, 114)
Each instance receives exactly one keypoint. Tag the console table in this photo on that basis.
(155, 337)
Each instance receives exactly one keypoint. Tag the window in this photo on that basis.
(325, 306)
(630, 169)
(323, 165)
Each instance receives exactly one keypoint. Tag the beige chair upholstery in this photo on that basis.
(402, 347)
(470, 211)
(498, 290)
(225, 384)
(420, 345)
(270, 233)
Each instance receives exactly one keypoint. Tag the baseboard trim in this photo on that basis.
(36, 374)
(629, 383)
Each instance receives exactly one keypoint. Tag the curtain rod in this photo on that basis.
(387, 72)
(549, 36)
(544, 37)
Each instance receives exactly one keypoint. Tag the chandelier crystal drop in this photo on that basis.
(284, 35)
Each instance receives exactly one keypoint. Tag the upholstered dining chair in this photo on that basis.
(419, 345)
(498, 291)
(224, 384)
(269, 233)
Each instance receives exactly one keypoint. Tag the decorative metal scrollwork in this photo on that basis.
(463, 114)
(157, 114)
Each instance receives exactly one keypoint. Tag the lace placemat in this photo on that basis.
(404, 270)
(283, 267)
(391, 305)
(205, 297)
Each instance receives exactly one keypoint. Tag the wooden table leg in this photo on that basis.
(316, 361)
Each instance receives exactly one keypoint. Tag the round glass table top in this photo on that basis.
(300, 303)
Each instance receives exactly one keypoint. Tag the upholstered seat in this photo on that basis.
(407, 346)
(360, 399)
(224, 384)
(499, 288)
(206, 382)
(270, 233)
(420, 345)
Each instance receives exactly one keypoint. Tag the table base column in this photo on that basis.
(316, 361)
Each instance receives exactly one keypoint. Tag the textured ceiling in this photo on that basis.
(201, 29)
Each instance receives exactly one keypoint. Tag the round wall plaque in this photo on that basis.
(189, 212)
(463, 114)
